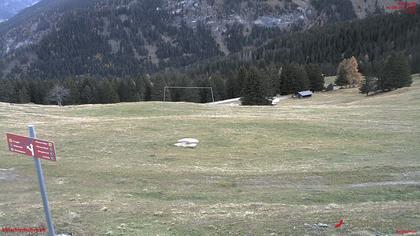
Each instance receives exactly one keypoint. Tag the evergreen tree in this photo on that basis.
(302, 82)
(38, 90)
(370, 81)
(232, 87)
(396, 73)
(203, 94)
(218, 86)
(315, 77)
(6, 91)
(330, 87)
(270, 80)
(86, 96)
(158, 84)
(107, 93)
(341, 79)
(133, 94)
(369, 85)
(123, 91)
(242, 75)
(147, 91)
(75, 90)
(293, 79)
(21, 93)
(253, 92)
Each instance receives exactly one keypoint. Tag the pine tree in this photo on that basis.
(270, 80)
(288, 75)
(369, 85)
(370, 81)
(315, 77)
(253, 92)
(148, 91)
(293, 79)
(232, 87)
(158, 84)
(341, 79)
(6, 91)
(123, 91)
(75, 90)
(203, 94)
(396, 73)
(218, 86)
(23, 95)
(132, 94)
(242, 74)
(107, 93)
(86, 96)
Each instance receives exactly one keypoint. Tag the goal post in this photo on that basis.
(178, 87)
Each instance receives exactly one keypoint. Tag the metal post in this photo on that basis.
(164, 94)
(42, 188)
(212, 94)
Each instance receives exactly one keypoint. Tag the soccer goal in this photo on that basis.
(167, 88)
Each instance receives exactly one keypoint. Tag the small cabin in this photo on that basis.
(304, 94)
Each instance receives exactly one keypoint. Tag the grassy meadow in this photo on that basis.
(257, 170)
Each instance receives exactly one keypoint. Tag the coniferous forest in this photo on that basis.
(292, 62)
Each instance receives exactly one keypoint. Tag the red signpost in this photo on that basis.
(38, 149)
(31, 147)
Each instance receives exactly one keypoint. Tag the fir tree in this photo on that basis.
(293, 79)
(132, 92)
(107, 93)
(158, 84)
(148, 91)
(369, 85)
(270, 80)
(396, 73)
(6, 91)
(86, 96)
(315, 77)
(218, 86)
(341, 79)
(253, 92)
(23, 95)
(73, 86)
(232, 87)
(204, 94)
(242, 74)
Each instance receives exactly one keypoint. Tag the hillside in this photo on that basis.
(56, 39)
(371, 39)
(257, 170)
(9, 8)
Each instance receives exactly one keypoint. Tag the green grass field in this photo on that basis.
(257, 170)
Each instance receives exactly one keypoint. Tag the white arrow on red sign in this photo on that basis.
(31, 147)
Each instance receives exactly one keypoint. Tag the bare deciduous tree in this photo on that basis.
(58, 94)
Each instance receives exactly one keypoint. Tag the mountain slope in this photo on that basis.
(369, 40)
(9, 8)
(58, 38)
